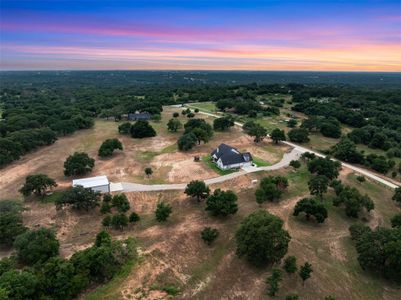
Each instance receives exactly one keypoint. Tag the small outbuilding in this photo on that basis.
(98, 184)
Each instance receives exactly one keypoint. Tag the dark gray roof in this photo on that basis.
(229, 155)
(139, 116)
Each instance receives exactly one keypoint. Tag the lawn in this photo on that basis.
(260, 162)
(204, 106)
(209, 163)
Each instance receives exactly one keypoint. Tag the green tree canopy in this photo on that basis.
(324, 166)
(19, 285)
(222, 203)
(273, 281)
(173, 125)
(37, 184)
(120, 201)
(79, 198)
(290, 264)
(142, 129)
(311, 208)
(78, 163)
(353, 201)
(271, 188)
(397, 195)
(305, 271)
(36, 246)
(209, 234)
(11, 224)
(318, 185)
(277, 135)
(198, 189)
(187, 141)
(124, 128)
(223, 123)
(298, 135)
(261, 238)
(108, 146)
(163, 211)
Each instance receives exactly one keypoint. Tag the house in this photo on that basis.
(227, 157)
(98, 184)
(139, 116)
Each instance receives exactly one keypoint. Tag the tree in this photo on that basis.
(331, 129)
(198, 189)
(311, 208)
(318, 185)
(78, 164)
(296, 164)
(379, 251)
(356, 230)
(305, 271)
(261, 239)
(163, 211)
(397, 195)
(121, 202)
(58, 279)
(187, 141)
(396, 220)
(258, 132)
(103, 238)
(37, 184)
(173, 125)
(273, 281)
(142, 129)
(79, 198)
(346, 150)
(324, 166)
(292, 297)
(36, 246)
(298, 135)
(292, 123)
(119, 221)
(134, 217)
(222, 203)
(271, 188)
(223, 123)
(202, 130)
(19, 285)
(353, 201)
(124, 128)
(290, 264)
(106, 222)
(176, 114)
(209, 234)
(156, 118)
(190, 115)
(277, 135)
(148, 171)
(108, 146)
(11, 224)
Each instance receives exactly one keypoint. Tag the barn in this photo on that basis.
(98, 184)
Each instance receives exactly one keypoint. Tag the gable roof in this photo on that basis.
(229, 155)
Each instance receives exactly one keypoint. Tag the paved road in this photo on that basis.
(302, 149)
(285, 161)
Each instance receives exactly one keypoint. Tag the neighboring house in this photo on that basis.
(98, 184)
(139, 116)
(227, 157)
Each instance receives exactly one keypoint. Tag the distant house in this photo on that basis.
(98, 184)
(139, 116)
(227, 157)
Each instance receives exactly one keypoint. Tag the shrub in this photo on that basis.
(163, 211)
(209, 234)
(78, 164)
(142, 129)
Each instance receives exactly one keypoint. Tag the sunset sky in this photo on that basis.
(201, 35)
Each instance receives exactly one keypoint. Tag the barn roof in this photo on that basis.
(91, 181)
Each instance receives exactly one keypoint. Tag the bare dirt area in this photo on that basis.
(173, 254)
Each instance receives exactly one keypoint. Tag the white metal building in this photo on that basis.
(98, 184)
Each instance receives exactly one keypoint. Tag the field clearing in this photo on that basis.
(160, 153)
